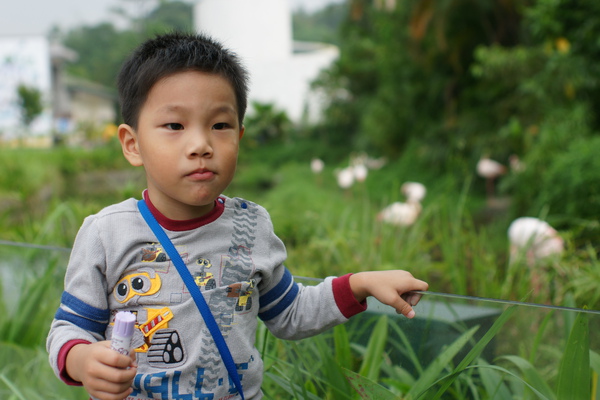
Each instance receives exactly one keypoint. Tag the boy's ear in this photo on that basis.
(129, 144)
(242, 130)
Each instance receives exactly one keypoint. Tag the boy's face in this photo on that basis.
(187, 140)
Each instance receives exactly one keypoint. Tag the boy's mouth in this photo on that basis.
(201, 174)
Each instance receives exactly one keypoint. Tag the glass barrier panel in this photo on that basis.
(31, 284)
(461, 347)
(26, 267)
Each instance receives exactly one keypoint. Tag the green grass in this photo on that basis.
(25, 375)
(454, 245)
(340, 365)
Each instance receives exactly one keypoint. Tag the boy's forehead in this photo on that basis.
(184, 80)
(189, 73)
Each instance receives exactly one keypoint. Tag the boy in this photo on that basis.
(183, 100)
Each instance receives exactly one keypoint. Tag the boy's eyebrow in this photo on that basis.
(226, 108)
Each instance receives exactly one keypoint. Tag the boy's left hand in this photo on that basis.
(389, 287)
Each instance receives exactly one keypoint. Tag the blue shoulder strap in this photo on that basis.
(209, 319)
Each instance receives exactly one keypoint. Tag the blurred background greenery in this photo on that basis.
(429, 86)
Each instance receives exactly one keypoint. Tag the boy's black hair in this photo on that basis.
(172, 53)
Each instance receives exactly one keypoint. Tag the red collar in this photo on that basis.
(186, 225)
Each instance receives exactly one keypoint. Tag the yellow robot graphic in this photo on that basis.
(162, 345)
(144, 282)
(243, 295)
(154, 254)
(204, 278)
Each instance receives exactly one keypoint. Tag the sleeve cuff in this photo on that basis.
(344, 298)
(62, 362)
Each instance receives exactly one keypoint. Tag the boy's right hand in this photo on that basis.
(105, 373)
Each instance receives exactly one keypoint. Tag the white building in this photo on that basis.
(24, 60)
(69, 105)
(260, 32)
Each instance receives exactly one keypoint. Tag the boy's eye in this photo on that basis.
(174, 126)
(221, 125)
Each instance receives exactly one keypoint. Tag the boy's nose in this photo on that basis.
(199, 145)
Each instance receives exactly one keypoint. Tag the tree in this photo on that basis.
(171, 15)
(268, 124)
(575, 26)
(30, 103)
(103, 48)
(320, 26)
(403, 69)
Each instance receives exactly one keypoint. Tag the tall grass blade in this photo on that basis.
(26, 374)
(334, 378)
(539, 335)
(574, 372)
(12, 387)
(493, 383)
(476, 350)
(531, 375)
(371, 365)
(407, 347)
(433, 371)
(595, 364)
(341, 344)
(595, 361)
(594, 385)
(294, 390)
(29, 324)
(512, 374)
(367, 389)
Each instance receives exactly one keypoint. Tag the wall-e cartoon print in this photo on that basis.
(241, 291)
(230, 295)
(205, 279)
(162, 345)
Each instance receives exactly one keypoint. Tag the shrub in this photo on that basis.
(570, 188)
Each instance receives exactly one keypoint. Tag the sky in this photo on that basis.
(36, 17)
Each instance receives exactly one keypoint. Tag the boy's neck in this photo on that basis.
(188, 224)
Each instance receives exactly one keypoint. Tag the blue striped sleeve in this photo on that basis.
(82, 314)
(84, 309)
(275, 293)
(83, 323)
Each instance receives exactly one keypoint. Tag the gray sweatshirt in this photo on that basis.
(236, 260)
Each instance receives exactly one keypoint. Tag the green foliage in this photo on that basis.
(577, 26)
(371, 365)
(25, 322)
(574, 373)
(267, 124)
(476, 351)
(433, 98)
(292, 369)
(586, 278)
(25, 375)
(546, 144)
(19, 178)
(430, 376)
(30, 101)
(519, 90)
(332, 237)
(320, 26)
(398, 83)
(102, 48)
(171, 15)
(44, 200)
(573, 194)
(463, 80)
